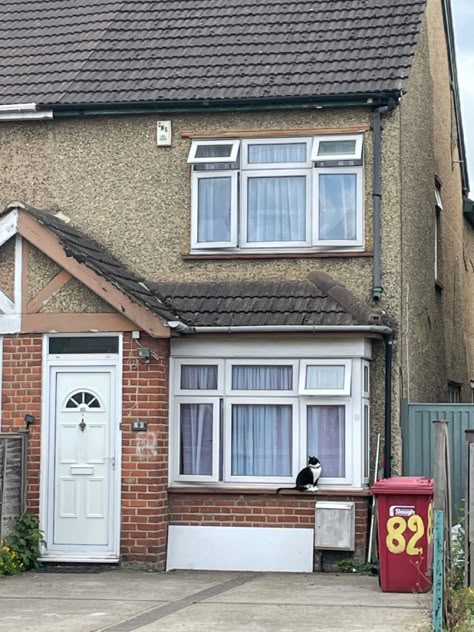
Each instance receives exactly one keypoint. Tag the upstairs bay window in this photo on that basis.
(256, 421)
(283, 194)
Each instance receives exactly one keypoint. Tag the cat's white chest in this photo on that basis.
(316, 472)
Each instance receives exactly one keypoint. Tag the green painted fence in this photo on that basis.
(418, 442)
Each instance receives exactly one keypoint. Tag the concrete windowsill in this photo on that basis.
(191, 489)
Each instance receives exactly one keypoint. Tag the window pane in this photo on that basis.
(366, 441)
(337, 206)
(325, 377)
(277, 209)
(84, 344)
(276, 152)
(326, 438)
(214, 151)
(336, 147)
(198, 377)
(214, 209)
(261, 440)
(264, 378)
(366, 379)
(196, 439)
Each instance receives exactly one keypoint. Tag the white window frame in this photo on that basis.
(358, 172)
(234, 143)
(215, 401)
(326, 392)
(227, 425)
(366, 440)
(196, 176)
(353, 459)
(438, 199)
(357, 155)
(178, 363)
(257, 166)
(260, 393)
(366, 367)
(274, 173)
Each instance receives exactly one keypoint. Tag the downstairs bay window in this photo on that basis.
(278, 194)
(254, 422)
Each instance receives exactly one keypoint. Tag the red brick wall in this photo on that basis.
(212, 508)
(144, 454)
(21, 395)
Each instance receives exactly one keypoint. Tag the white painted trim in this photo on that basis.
(177, 364)
(10, 323)
(227, 425)
(200, 175)
(260, 362)
(357, 155)
(115, 362)
(175, 422)
(276, 141)
(103, 559)
(274, 173)
(234, 144)
(326, 392)
(359, 239)
(8, 226)
(18, 273)
(6, 305)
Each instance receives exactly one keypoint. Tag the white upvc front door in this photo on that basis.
(82, 508)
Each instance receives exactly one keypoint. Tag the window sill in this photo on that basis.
(194, 256)
(258, 491)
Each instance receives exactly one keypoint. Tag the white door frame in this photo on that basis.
(77, 363)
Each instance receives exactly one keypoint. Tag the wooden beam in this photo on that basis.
(270, 133)
(48, 291)
(50, 245)
(6, 305)
(25, 253)
(8, 226)
(74, 323)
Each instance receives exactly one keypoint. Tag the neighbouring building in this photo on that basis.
(233, 236)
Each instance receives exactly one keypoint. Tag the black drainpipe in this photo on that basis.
(377, 198)
(387, 467)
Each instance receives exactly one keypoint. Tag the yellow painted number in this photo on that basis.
(396, 542)
(430, 523)
(415, 524)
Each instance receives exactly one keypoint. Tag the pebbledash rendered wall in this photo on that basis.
(144, 506)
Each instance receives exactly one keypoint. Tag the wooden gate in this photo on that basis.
(13, 450)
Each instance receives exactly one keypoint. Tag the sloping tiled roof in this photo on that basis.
(317, 300)
(92, 254)
(123, 51)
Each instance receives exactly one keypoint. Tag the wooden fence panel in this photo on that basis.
(12, 479)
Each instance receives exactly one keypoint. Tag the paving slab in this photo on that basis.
(190, 601)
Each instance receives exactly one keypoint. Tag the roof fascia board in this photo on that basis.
(450, 40)
(50, 245)
(91, 109)
(24, 111)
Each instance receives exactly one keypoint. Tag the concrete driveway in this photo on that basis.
(186, 601)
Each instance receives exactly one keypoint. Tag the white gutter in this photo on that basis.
(23, 111)
(186, 329)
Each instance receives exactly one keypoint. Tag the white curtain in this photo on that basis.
(276, 209)
(337, 206)
(262, 378)
(198, 377)
(276, 152)
(324, 376)
(326, 437)
(196, 439)
(214, 209)
(261, 440)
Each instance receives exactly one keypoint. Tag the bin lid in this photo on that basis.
(404, 485)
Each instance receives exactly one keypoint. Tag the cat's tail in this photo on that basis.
(300, 489)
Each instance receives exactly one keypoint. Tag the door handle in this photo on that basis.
(112, 459)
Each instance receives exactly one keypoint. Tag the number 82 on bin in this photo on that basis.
(398, 541)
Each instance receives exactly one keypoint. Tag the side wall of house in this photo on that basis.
(144, 509)
(432, 339)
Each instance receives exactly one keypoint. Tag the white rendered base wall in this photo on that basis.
(240, 549)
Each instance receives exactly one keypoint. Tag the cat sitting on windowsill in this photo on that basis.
(307, 479)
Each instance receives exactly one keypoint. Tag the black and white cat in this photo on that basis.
(307, 479)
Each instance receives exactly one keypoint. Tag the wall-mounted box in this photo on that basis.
(163, 133)
(335, 526)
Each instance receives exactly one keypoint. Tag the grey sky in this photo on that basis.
(464, 27)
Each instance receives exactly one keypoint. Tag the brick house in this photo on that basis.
(250, 254)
